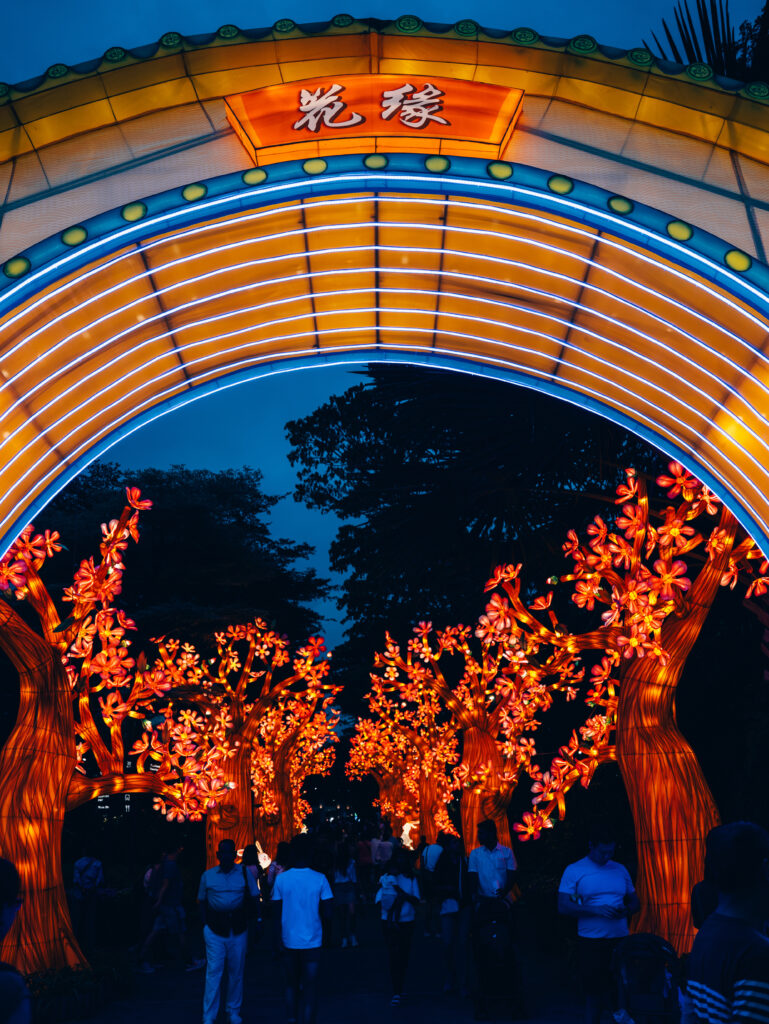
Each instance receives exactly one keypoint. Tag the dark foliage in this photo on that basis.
(708, 35)
(206, 556)
(439, 477)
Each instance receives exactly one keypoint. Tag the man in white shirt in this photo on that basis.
(491, 870)
(302, 899)
(491, 867)
(226, 893)
(599, 893)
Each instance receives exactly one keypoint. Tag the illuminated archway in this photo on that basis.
(611, 251)
(118, 300)
(540, 279)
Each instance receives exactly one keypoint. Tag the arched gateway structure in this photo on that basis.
(580, 220)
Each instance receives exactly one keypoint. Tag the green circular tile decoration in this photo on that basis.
(133, 211)
(757, 90)
(255, 176)
(75, 235)
(57, 71)
(314, 166)
(170, 40)
(284, 25)
(499, 170)
(466, 27)
(640, 56)
(4, 89)
(560, 184)
(342, 20)
(525, 36)
(228, 31)
(700, 72)
(437, 164)
(737, 260)
(583, 44)
(17, 266)
(680, 230)
(376, 161)
(619, 204)
(194, 191)
(115, 54)
(408, 23)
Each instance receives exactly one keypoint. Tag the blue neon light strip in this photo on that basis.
(752, 284)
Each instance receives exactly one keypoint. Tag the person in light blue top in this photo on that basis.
(226, 894)
(599, 893)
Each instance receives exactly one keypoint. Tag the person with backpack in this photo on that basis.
(14, 994)
(599, 893)
(398, 897)
(728, 968)
(450, 890)
(227, 895)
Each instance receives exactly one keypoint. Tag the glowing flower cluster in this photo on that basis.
(491, 707)
(633, 566)
(109, 687)
(256, 696)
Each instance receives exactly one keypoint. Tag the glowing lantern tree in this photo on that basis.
(375, 751)
(257, 704)
(79, 688)
(296, 740)
(492, 706)
(654, 609)
(411, 744)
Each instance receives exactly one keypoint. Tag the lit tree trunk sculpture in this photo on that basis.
(64, 731)
(672, 805)
(251, 701)
(409, 752)
(482, 762)
(233, 816)
(653, 618)
(37, 764)
(428, 806)
(490, 713)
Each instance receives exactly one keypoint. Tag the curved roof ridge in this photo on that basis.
(582, 45)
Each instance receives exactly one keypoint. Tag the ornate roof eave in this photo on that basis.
(580, 47)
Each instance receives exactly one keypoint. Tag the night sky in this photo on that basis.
(245, 425)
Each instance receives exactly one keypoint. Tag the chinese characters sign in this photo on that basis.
(334, 115)
(415, 107)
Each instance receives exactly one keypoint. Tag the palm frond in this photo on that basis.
(706, 35)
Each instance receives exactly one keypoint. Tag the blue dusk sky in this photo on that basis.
(44, 32)
(245, 425)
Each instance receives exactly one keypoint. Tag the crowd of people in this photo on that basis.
(310, 893)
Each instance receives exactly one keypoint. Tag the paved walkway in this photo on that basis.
(354, 989)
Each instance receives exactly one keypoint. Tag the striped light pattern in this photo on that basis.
(493, 285)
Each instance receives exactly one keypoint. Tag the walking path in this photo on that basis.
(354, 989)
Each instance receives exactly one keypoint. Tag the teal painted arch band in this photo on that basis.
(469, 177)
(433, 360)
